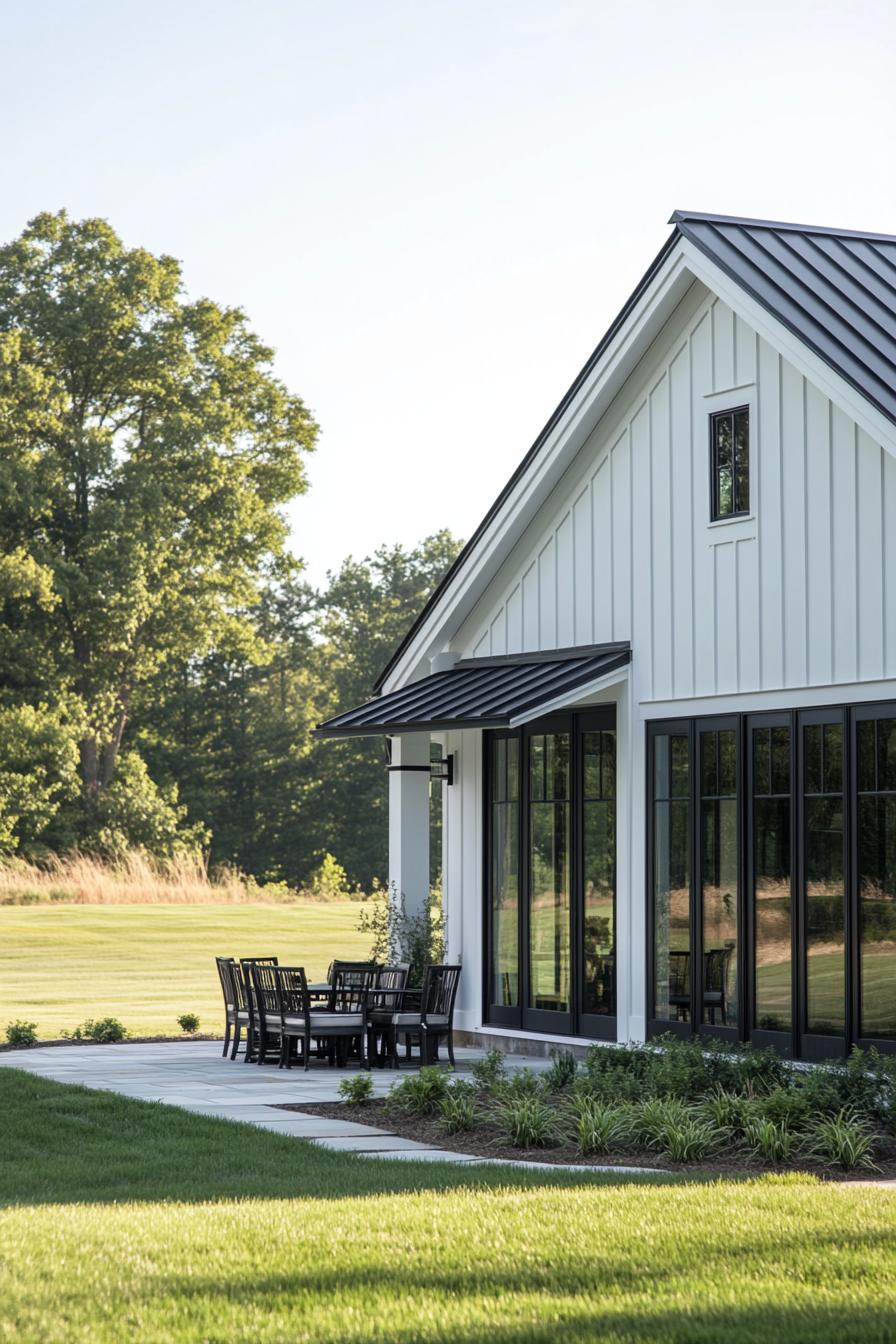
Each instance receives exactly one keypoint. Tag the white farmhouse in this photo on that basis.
(663, 671)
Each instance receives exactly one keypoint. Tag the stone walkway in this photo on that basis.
(194, 1076)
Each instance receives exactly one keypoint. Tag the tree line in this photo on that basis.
(163, 659)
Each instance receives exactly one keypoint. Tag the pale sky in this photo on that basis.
(433, 209)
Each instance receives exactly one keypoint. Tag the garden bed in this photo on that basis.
(127, 1040)
(717, 1112)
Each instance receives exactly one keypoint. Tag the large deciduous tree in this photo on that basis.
(146, 449)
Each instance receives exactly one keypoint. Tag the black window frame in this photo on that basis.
(799, 1041)
(715, 419)
(576, 1021)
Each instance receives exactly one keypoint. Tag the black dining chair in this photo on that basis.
(252, 1032)
(390, 982)
(303, 1022)
(426, 1015)
(235, 1016)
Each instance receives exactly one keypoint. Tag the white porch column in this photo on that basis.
(409, 821)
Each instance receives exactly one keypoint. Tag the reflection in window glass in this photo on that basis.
(772, 913)
(549, 881)
(599, 873)
(877, 877)
(825, 880)
(505, 875)
(672, 878)
(719, 875)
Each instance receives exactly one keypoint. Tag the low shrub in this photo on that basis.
(188, 1022)
(769, 1139)
(522, 1083)
(562, 1073)
(104, 1031)
(356, 1090)
(421, 1093)
(760, 1069)
(21, 1033)
(526, 1121)
(787, 1106)
(841, 1140)
(489, 1073)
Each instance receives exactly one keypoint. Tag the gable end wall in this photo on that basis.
(798, 595)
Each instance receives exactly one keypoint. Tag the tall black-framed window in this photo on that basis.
(790, 817)
(550, 872)
(875, 873)
(504, 876)
(729, 449)
(771, 879)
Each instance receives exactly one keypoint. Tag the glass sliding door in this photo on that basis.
(504, 878)
(875, 830)
(669, 838)
(596, 774)
(823, 997)
(771, 880)
(548, 1004)
(719, 877)
(550, 875)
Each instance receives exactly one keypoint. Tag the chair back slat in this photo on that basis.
(391, 978)
(292, 990)
(351, 985)
(264, 986)
(226, 966)
(439, 991)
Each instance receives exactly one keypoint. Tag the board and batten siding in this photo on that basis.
(800, 594)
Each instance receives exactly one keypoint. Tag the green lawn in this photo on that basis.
(235, 1234)
(147, 964)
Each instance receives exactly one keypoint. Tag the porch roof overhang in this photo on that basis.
(482, 693)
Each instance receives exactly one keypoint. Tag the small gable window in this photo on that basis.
(729, 433)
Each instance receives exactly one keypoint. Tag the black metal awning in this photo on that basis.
(480, 693)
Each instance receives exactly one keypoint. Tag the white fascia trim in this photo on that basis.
(790, 697)
(579, 697)
(561, 440)
(810, 365)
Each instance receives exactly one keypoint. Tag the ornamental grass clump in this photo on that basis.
(419, 1094)
(724, 1110)
(842, 1140)
(652, 1117)
(688, 1139)
(457, 1109)
(770, 1140)
(596, 1127)
(527, 1122)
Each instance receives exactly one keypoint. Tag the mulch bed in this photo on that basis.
(130, 1040)
(483, 1142)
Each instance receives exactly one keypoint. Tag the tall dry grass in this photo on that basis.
(135, 879)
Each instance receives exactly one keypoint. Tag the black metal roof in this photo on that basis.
(834, 288)
(479, 692)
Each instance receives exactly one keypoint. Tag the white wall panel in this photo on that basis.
(798, 594)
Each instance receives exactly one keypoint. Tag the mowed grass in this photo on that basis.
(234, 1234)
(148, 964)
